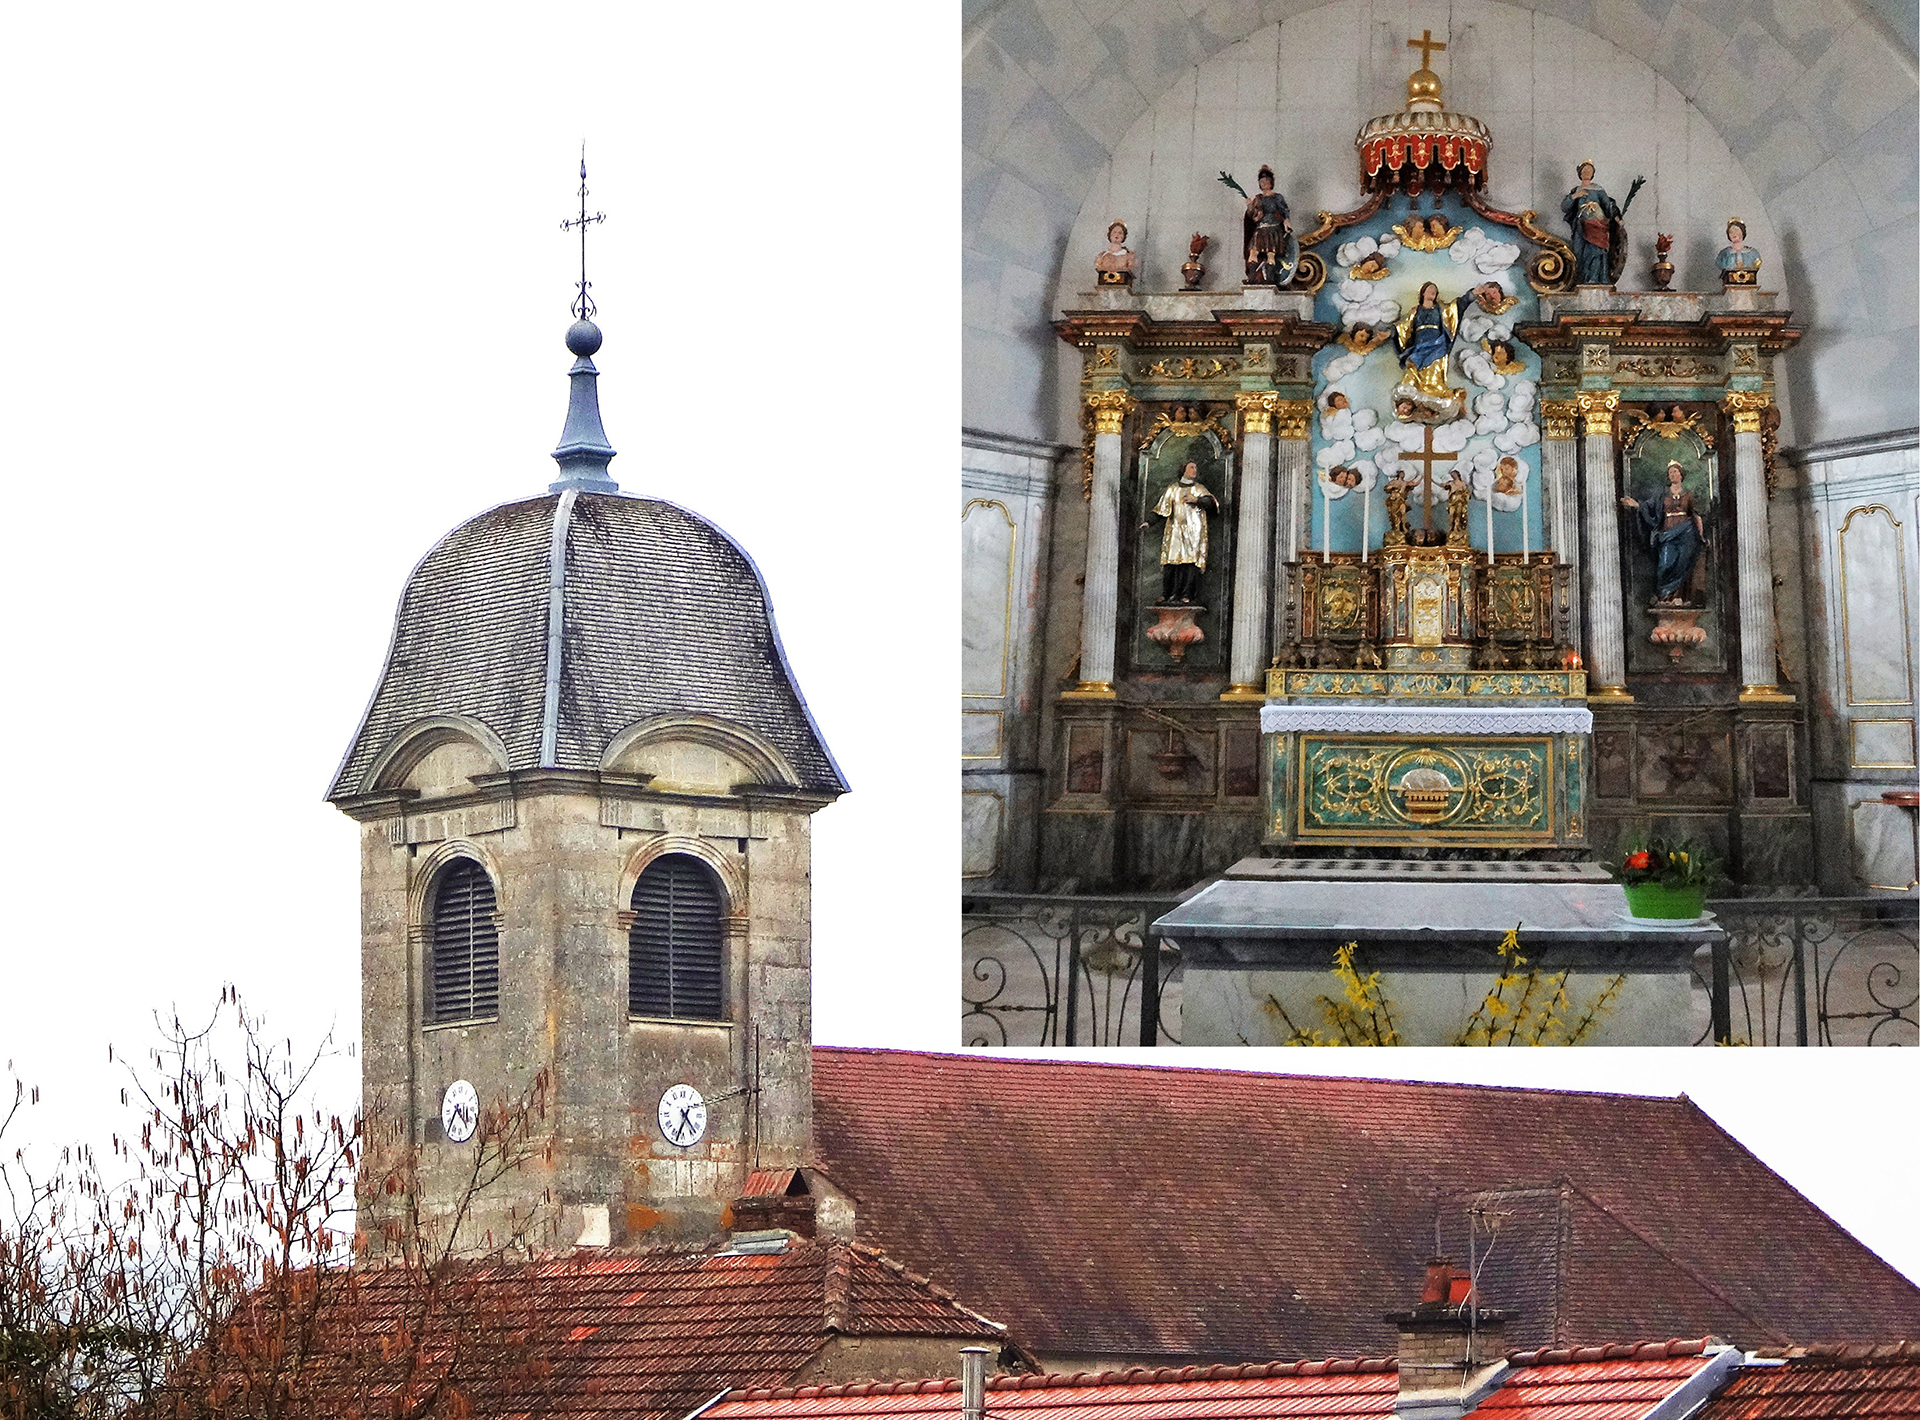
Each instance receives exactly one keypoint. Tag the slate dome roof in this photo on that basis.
(562, 620)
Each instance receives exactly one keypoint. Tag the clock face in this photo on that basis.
(460, 1111)
(683, 1115)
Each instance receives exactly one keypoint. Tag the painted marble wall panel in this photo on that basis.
(1883, 845)
(1874, 576)
(982, 813)
(986, 597)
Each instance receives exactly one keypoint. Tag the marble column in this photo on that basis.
(1293, 500)
(1248, 658)
(1097, 629)
(1758, 680)
(1560, 469)
(1606, 630)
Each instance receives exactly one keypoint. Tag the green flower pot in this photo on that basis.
(1669, 903)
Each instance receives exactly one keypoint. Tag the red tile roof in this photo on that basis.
(1593, 1382)
(1825, 1383)
(655, 1334)
(1170, 1214)
(1297, 1390)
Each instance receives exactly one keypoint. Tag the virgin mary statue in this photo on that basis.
(1426, 334)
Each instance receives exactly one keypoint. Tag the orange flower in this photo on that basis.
(1642, 859)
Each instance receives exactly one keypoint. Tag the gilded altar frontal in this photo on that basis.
(1438, 458)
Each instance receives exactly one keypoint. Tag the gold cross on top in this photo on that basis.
(1426, 44)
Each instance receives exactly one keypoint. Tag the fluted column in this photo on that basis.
(1560, 465)
(1248, 655)
(1292, 502)
(1755, 553)
(1109, 408)
(1606, 631)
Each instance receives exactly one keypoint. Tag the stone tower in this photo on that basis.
(584, 786)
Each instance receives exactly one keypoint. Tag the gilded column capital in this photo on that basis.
(1747, 409)
(1558, 418)
(1291, 418)
(1110, 409)
(1597, 409)
(1256, 410)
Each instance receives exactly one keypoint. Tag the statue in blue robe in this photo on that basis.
(1598, 233)
(1674, 533)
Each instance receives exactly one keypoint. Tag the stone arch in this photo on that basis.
(731, 873)
(426, 871)
(407, 749)
(1816, 105)
(766, 763)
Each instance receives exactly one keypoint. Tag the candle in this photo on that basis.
(1326, 528)
(1489, 525)
(1526, 542)
(1366, 509)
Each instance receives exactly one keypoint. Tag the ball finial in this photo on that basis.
(583, 338)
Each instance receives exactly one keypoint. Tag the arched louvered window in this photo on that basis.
(676, 949)
(463, 967)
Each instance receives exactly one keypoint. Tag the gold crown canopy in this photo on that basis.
(1423, 145)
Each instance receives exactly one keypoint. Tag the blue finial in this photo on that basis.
(584, 452)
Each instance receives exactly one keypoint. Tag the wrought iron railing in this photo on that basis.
(1813, 971)
(1067, 971)
(1055, 970)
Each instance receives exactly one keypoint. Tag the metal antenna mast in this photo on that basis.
(583, 307)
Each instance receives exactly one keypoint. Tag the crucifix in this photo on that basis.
(1426, 457)
(583, 306)
(1426, 44)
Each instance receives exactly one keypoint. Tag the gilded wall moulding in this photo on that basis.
(1597, 410)
(1106, 357)
(1291, 418)
(1595, 359)
(1256, 411)
(1189, 368)
(1559, 418)
(1109, 408)
(1669, 367)
(1747, 409)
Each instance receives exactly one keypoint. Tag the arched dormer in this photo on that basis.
(437, 757)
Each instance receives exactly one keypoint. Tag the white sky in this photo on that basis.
(282, 300)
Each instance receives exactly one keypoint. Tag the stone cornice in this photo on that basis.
(1627, 331)
(1228, 329)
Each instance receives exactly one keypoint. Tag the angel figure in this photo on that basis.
(1371, 267)
(1500, 355)
(1493, 298)
(1506, 475)
(1364, 339)
(1432, 234)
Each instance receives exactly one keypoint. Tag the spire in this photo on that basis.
(583, 453)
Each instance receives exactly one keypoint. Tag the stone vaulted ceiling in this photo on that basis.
(1817, 101)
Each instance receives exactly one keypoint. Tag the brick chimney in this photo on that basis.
(774, 1207)
(1452, 1350)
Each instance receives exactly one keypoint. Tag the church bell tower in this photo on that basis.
(584, 786)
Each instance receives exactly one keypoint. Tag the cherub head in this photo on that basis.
(1336, 401)
(1490, 295)
(1506, 475)
(1436, 225)
(1502, 354)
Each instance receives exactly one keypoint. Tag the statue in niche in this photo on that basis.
(1675, 534)
(1599, 228)
(1739, 263)
(1183, 545)
(1117, 265)
(1271, 253)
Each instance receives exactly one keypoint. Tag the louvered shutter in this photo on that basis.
(676, 947)
(464, 973)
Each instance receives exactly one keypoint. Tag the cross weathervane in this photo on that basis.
(583, 307)
(1426, 44)
(1427, 458)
